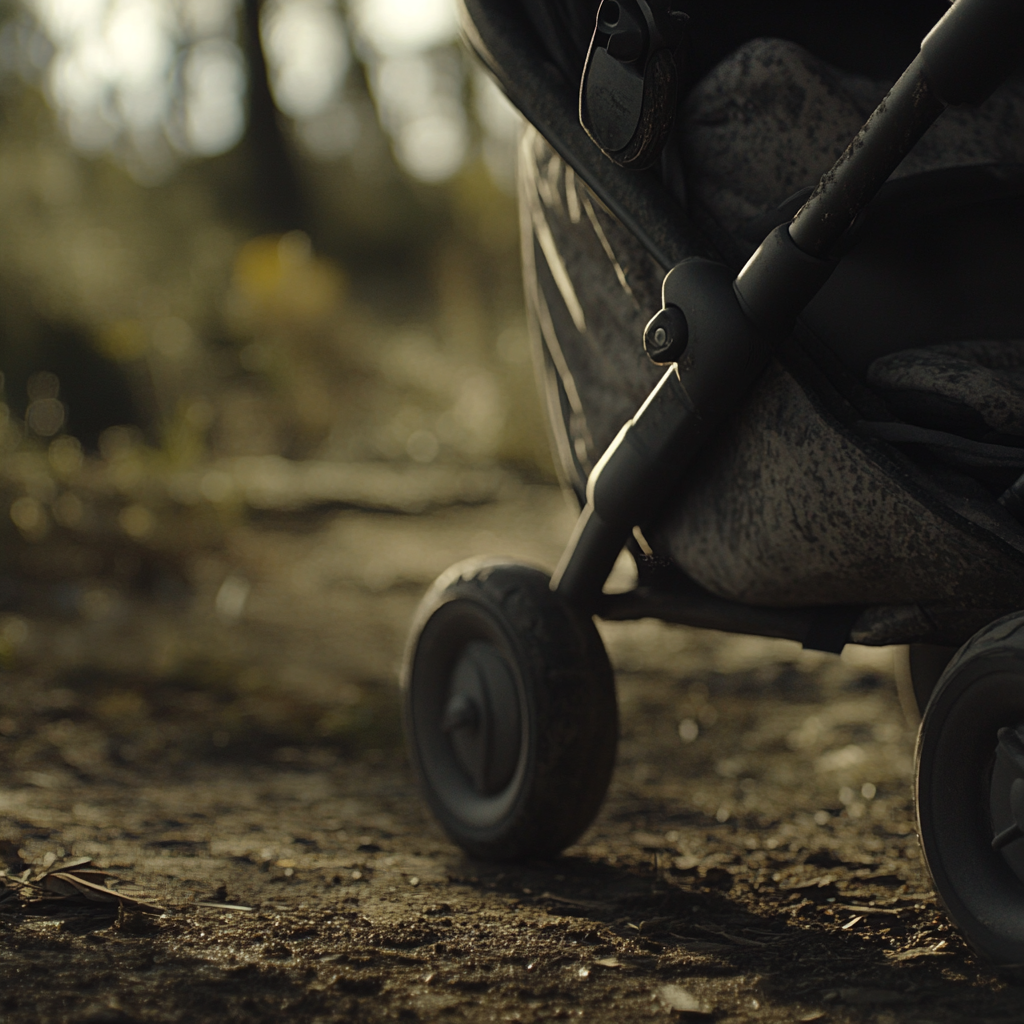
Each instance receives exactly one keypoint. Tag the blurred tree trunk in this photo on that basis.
(279, 205)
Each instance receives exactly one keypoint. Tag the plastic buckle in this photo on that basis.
(630, 80)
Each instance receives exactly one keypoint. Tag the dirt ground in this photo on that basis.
(231, 750)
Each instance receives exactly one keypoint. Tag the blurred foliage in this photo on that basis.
(149, 323)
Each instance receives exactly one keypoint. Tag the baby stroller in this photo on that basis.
(823, 437)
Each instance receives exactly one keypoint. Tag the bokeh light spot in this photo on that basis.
(137, 521)
(45, 416)
(308, 53)
(432, 148)
(65, 455)
(422, 446)
(68, 510)
(29, 516)
(405, 26)
(42, 385)
(214, 77)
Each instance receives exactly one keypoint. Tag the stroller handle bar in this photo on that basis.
(964, 58)
(727, 330)
(908, 111)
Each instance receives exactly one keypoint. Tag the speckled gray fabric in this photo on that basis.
(590, 289)
(766, 122)
(771, 119)
(787, 509)
(963, 385)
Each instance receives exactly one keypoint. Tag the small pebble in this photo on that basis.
(681, 1000)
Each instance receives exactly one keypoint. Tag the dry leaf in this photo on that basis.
(73, 864)
(63, 883)
(81, 882)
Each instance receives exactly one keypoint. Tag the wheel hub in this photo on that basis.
(482, 718)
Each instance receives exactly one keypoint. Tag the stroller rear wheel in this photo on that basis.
(970, 789)
(510, 714)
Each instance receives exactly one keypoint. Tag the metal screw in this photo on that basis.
(666, 336)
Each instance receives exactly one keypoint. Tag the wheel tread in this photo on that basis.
(572, 696)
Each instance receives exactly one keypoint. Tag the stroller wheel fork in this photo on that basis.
(732, 326)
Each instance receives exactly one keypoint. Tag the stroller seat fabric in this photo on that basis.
(772, 118)
(975, 388)
(769, 120)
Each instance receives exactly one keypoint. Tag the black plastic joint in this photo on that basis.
(973, 48)
(778, 281)
(666, 336)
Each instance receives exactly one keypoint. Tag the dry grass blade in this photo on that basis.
(739, 940)
(585, 904)
(701, 945)
(939, 949)
(79, 868)
(75, 881)
(19, 881)
(93, 875)
(857, 909)
(63, 883)
(73, 864)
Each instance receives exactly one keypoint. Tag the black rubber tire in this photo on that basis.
(556, 678)
(961, 805)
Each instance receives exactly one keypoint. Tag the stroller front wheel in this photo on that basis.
(509, 709)
(970, 790)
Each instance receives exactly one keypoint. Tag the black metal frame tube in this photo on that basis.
(889, 134)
